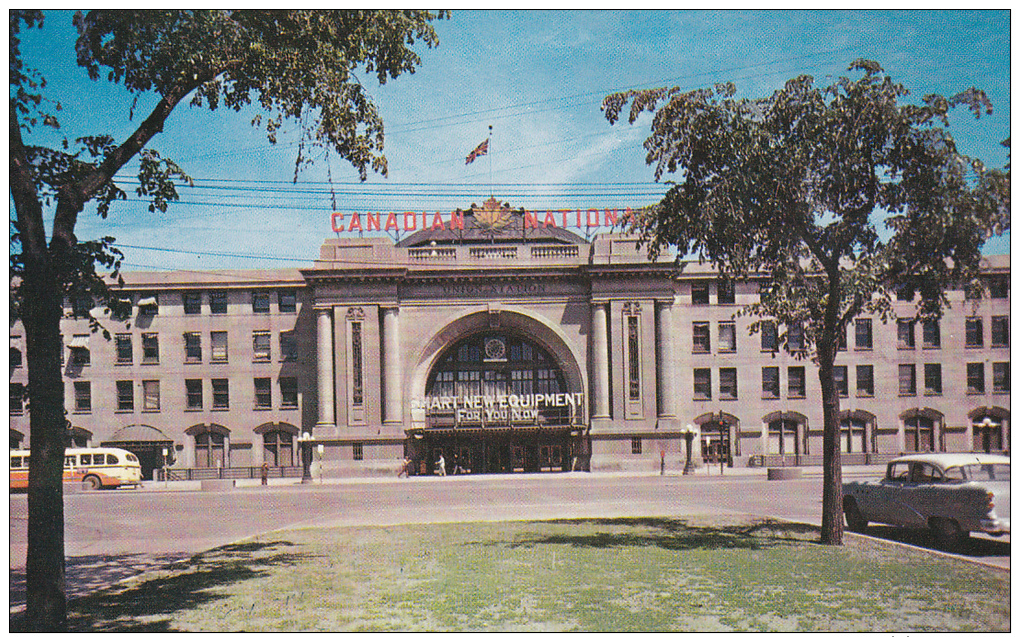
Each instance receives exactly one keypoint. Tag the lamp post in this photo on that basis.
(306, 452)
(689, 436)
(166, 478)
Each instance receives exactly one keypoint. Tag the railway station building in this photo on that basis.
(504, 342)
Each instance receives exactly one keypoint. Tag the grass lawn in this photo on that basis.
(649, 574)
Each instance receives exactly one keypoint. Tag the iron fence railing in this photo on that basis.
(225, 473)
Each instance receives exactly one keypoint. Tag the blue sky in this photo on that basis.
(538, 79)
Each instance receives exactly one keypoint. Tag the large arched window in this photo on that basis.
(784, 437)
(278, 442)
(211, 442)
(491, 365)
(852, 435)
(919, 434)
(987, 434)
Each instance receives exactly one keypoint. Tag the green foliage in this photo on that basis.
(842, 189)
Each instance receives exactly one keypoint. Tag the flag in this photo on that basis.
(482, 149)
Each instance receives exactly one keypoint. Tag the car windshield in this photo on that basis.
(981, 472)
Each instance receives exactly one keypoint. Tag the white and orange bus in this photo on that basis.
(95, 468)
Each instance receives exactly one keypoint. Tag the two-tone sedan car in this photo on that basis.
(952, 494)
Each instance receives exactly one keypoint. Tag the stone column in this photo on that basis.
(600, 360)
(391, 367)
(324, 320)
(666, 363)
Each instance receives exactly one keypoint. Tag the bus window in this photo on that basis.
(68, 461)
(15, 462)
(111, 459)
(85, 459)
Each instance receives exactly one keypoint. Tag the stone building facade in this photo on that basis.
(504, 344)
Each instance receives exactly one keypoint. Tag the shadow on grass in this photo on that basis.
(675, 535)
(147, 605)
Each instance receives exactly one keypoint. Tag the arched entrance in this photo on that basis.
(497, 400)
(146, 442)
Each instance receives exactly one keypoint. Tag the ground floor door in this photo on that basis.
(149, 453)
(481, 451)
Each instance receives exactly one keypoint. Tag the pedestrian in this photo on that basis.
(404, 467)
(441, 465)
(265, 473)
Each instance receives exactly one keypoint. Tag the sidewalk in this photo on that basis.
(850, 472)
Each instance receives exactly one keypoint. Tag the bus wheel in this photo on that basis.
(91, 483)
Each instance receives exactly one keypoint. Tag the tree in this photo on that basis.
(295, 66)
(832, 197)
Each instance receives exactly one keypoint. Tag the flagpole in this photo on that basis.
(490, 161)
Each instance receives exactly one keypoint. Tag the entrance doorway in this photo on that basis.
(553, 449)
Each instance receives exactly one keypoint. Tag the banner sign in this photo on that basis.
(409, 221)
(498, 408)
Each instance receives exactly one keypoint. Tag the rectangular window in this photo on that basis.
(727, 336)
(728, 383)
(82, 397)
(150, 392)
(1000, 378)
(905, 333)
(931, 334)
(975, 378)
(287, 300)
(633, 354)
(908, 380)
(727, 292)
(842, 383)
(120, 308)
(288, 392)
(81, 356)
(358, 450)
(795, 338)
(904, 293)
(702, 384)
(148, 306)
(81, 304)
(796, 382)
(263, 393)
(769, 336)
(998, 288)
(150, 348)
(17, 399)
(975, 334)
(770, 382)
(192, 302)
(357, 365)
(699, 293)
(635, 445)
(262, 346)
(125, 351)
(288, 346)
(193, 389)
(862, 334)
(702, 338)
(220, 393)
(219, 347)
(260, 302)
(125, 395)
(932, 379)
(193, 347)
(1000, 331)
(218, 302)
(865, 381)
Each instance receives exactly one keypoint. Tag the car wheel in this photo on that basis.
(855, 520)
(91, 483)
(948, 534)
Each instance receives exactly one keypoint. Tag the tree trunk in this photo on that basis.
(44, 566)
(832, 469)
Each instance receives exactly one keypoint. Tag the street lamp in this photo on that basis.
(306, 452)
(689, 435)
(166, 478)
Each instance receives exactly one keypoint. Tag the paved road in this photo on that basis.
(113, 535)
